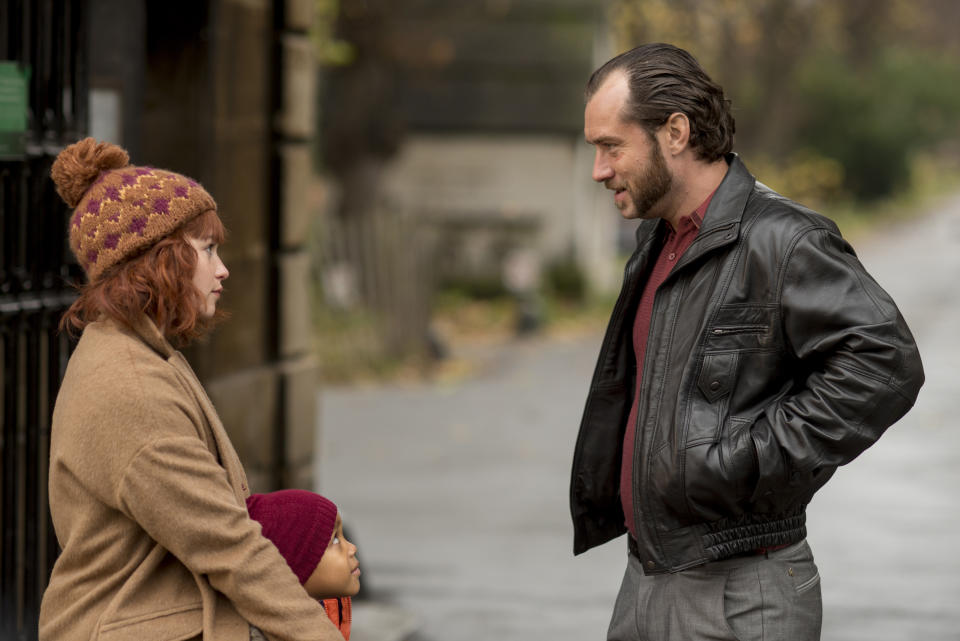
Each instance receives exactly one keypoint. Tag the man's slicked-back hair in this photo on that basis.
(664, 80)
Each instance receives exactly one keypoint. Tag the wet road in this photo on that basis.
(885, 529)
(457, 491)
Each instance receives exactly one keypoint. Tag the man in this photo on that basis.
(748, 356)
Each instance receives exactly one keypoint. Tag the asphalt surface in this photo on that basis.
(885, 529)
(456, 491)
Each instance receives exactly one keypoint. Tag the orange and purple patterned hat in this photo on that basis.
(120, 210)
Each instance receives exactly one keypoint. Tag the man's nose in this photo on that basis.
(602, 171)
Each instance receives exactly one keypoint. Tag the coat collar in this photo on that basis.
(724, 214)
(730, 200)
(147, 330)
(721, 222)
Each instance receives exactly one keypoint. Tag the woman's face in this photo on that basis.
(210, 273)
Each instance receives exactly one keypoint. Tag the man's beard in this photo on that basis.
(653, 185)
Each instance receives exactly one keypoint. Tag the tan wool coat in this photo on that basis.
(147, 497)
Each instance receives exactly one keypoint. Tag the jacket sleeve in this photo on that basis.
(179, 494)
(857, 368)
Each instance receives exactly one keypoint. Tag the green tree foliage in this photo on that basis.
(837, 95)
(872, 119)
(330, 50)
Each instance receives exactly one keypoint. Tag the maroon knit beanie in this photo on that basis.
(300, 524)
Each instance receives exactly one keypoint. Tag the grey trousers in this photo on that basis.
(772, 597)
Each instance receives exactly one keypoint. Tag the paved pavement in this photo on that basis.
(457, 491)
(885, 529)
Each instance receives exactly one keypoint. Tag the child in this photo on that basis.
(308, 531)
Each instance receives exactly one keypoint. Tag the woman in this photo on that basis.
(146, 491)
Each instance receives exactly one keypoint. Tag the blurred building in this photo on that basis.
(469, 115)
(220, 90)
(495, 114)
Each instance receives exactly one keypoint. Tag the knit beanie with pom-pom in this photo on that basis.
(300, 524)
(120, 210)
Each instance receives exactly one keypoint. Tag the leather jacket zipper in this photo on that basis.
(740, 329)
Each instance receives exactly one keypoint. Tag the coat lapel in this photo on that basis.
(223, 448)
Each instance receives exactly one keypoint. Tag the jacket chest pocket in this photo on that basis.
(717, 375)
(742, 327)
(715, 383)
(736, 335)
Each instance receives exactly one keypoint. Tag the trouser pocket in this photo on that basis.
(775, 597)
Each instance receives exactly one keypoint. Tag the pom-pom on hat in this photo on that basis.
(299, 523)
(120, 210)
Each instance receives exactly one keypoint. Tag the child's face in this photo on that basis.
(338, 573)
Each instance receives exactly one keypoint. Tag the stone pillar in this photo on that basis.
(293, 129)
(237, 366)
(258, 366)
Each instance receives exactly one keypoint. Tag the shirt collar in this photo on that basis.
(695, 219)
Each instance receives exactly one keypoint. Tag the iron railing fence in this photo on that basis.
(46, 39)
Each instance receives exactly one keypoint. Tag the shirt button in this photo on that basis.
(651, 564)
(671, 255)
(714, 386)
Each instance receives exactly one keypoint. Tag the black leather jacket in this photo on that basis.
(773, 358)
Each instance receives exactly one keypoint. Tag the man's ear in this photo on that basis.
(676, 132)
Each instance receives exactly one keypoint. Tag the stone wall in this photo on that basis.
(263, 380)
(228, 98)
(294, 125)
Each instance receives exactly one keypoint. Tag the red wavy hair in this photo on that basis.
(158, 283)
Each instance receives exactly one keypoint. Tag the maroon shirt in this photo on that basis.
(676, 242)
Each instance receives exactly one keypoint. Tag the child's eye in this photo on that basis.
(210, 249)
(335, 540)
